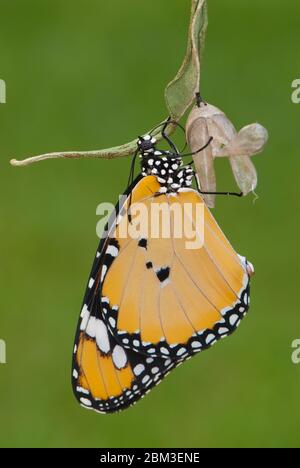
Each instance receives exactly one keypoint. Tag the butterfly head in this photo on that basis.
(146, 144)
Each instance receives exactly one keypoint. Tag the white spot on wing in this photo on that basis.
(103, 272)
(210, 339)
(112, 250)
(83, 311)
(112, 322)
(138, 369)
(82, 390)
(181, 351)
(91, 327)
(86, 402)
(196, 344)
(85, 314)
(102, 339)
(145, 379)
(223, 330)
(119, 357)
(233, 320)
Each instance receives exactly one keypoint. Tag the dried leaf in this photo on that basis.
(180, 92)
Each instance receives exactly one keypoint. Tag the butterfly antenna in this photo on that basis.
(199, 150)
(130, 182)
(167, 122)
(131, 171)
(165, 136)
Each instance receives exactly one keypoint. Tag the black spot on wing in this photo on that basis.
(143, 243)
(149, 265)
(163, 274)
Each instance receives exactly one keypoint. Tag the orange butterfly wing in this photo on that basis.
(151, 303)
(163, 299)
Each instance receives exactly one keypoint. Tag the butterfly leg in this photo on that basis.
(234, 194)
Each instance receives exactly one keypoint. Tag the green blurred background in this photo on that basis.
(87, 74)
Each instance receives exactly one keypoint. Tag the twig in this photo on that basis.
(106, 154)
(110, 153)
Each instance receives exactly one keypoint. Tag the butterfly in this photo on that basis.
(155, 300)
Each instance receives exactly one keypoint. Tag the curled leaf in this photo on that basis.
(180, 92)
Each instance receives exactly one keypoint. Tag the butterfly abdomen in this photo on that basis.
(168, 170)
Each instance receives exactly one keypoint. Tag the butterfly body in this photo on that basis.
(151, 301)
(166, 167)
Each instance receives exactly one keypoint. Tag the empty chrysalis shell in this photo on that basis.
(208, 121)
(197, 136)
